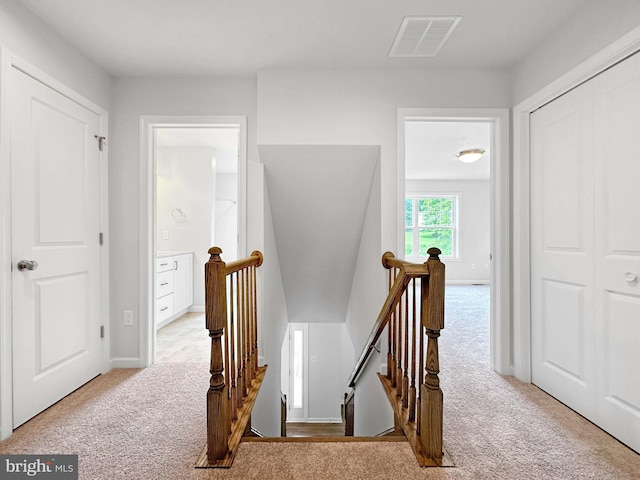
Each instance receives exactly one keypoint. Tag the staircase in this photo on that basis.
(412, 316)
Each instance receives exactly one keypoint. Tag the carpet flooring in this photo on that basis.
(150, 424)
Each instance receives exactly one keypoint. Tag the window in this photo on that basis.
(431, 221)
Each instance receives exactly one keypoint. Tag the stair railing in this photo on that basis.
(231, 318)
(412, 312)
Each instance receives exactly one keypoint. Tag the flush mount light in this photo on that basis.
(471, 155)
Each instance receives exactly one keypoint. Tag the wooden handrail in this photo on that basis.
(412, 311)
(237, 265)
(407, 272)
(231, 318)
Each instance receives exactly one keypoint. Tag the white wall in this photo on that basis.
(133, 98)
(330, 361)
(368, 292)
(226, 215)
(27, 36)
(272, 309)
(359, 107)
(596, 25)
(474, 210)
(185, 181)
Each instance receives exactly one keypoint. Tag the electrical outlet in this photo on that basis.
(127, 320)
(473, 266)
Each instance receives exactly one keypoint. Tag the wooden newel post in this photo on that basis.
(432, 313)
(218, 421)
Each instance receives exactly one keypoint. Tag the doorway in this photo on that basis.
(196, 183)
(446, 181)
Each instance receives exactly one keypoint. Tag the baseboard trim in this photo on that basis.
(125, 362)
(196, 309)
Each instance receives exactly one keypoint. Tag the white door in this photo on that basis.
(562, 292)
(585, 250)
(55, 224)
(617, 250)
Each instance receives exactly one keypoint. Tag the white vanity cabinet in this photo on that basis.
(174, 286)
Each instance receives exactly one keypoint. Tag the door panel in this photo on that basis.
(562, 250)
(61, 310)
(55, 202)
(562, 325)
(58, 212)
(617, 243)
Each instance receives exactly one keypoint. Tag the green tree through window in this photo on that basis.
(431, 221)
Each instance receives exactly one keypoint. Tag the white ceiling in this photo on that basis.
(431, 147)
(319, 197)
(223, 140)
(181, 38)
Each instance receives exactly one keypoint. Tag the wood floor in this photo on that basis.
(315, 429)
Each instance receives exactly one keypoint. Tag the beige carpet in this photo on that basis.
(149, 424)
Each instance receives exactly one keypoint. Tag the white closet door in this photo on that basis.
(617, 250)
(562, 249)
(585, 250)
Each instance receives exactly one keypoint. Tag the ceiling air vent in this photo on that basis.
(422, 36)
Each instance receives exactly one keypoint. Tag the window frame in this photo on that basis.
(415, 227)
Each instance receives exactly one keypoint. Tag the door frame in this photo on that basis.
(9, 61)
(604, 59)
(147, 220)
(500, 304)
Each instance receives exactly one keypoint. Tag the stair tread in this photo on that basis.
(330, 439)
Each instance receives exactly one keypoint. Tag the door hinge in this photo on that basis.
(101, 331)
(101, 238)
(101, 141)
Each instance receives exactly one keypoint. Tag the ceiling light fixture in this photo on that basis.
(471, 155)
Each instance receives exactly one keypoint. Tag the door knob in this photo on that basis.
(27, 265)
(630, 277)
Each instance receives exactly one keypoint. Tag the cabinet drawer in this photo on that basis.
(164, 308)
(163, 264)
(164, 283)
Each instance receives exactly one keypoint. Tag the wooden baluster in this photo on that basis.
(420, 364)
(254, 328)
(241, 380)
(245, 336)
(394, 337)
(247, 319)
(433, 321)
(255, 316)
(218, 421)
(414, 327)
(251, 323)
(232, 351)
(398, 310)
(390, 338)
(405, 377)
